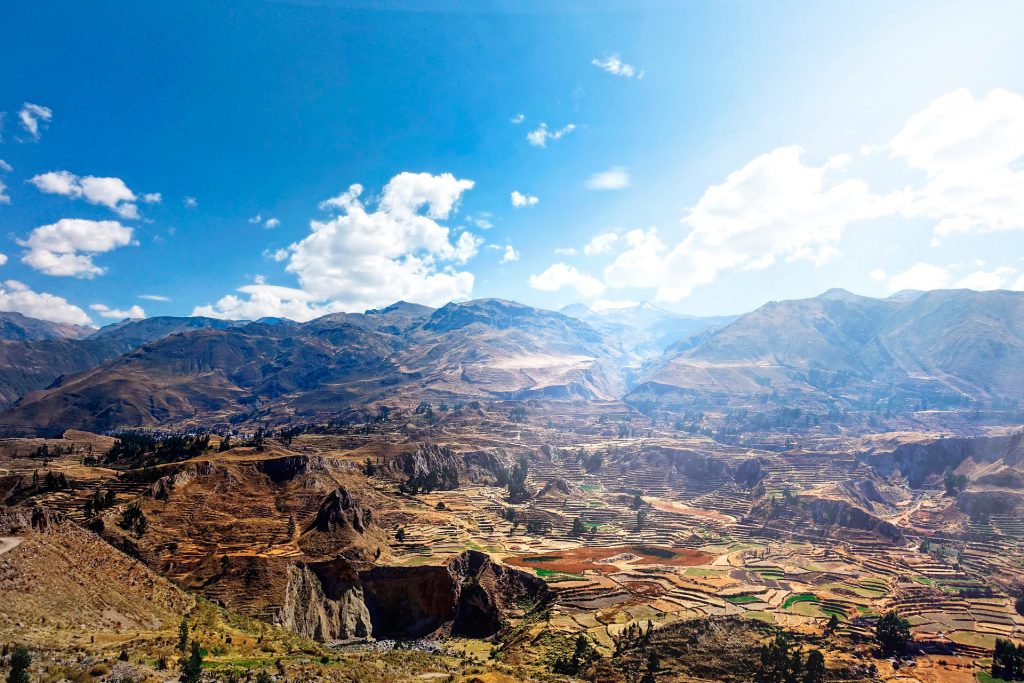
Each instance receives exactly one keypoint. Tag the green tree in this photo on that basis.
(192, 669)
(814, 669)
(578, 527)
(183, 634)
(892, 633)
(20, 661)
(1019, 605)
(1008, 661)
(263, 677)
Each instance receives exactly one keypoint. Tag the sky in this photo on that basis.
(293, 159)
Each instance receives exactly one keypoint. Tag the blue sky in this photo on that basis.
(707, 157)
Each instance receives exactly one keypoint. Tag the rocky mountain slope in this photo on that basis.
(44, 354)
(940, 349)
(18, 327)
(479, 349)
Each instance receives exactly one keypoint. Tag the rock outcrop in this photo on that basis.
(471, 595)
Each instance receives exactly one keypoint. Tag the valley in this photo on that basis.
(488, 492)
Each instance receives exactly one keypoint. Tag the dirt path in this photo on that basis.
(8, 543)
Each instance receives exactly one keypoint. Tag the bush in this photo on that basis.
(892, 633)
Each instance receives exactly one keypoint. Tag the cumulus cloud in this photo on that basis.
(615, 178)
(969, 149)
(518, 118)
(33, 118)
(16, 296)
(539, 136)
(565, 251)
(920, 276)
(774, 208)
(67, 247)
(190, 202)
(510, 254)
(269, 224)
(112, 193)
(613, 64)
(366, 257)
(561, 275)
(105, 311)
(962, 157)
(985, 280)
(519, 200)
(601, 244)
(263, 300)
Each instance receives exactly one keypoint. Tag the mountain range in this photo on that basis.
(947, 348)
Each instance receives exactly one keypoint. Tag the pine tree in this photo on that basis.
(20, 661)
(814, 670)
(183, 634)
(192, 669)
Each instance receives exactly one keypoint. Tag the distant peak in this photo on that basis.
(840, 294)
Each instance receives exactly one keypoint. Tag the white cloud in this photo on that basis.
(775, 207)
(565, 251)
(969, 149)
(154, 297)
(983, 280)
(921, 276)
(510, 254)
(601, 244)
(560, 275)
(641, 263)
(1018, 285)
(613, 64)
(16, 296)
(269, 224)
(152, 198)
(263, 300)
(66, 248)
(518, 118)
(105, 311)
(190, 202)
(4, 197)
(366, 258)
(519, 200)
(112, 193)
(539, 136)
(615, 178)
(276, 255)
(33, 117)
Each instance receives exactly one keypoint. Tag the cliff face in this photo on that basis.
(324, 601)
(924, 463)
(826, 511)
(445, 468)
(471, 594)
